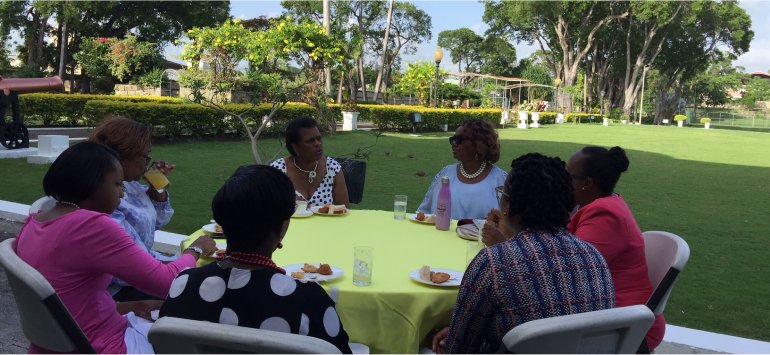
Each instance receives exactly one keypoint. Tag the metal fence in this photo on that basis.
(734, 118)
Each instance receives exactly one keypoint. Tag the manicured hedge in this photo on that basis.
(66, 109)
(583, 117)
(192, 119)
(395, 118)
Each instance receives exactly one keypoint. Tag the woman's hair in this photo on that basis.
(78, 171)
(539, 190)
(484, 137)
(252, 206)
(604, 166)
(292, 131)
(124, 135)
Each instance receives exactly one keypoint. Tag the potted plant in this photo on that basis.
(524, 109)
(706, 122)
(623, 118)
(349, 115)
(680, 120)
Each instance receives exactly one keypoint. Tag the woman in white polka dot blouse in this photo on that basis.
(245, 287)
(317, 179)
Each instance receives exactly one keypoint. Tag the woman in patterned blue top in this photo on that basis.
(317, 179)
(142, 210)
(542, 271)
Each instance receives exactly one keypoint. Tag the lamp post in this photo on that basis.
(602, 102)
(438, 55)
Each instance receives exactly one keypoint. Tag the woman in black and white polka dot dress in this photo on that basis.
(317, 179)
(245, 287)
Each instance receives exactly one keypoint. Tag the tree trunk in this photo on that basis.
(384, 51)
(363, 78)
(63, 51)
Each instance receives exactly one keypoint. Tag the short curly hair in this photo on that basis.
(484, 138)
(539, 190)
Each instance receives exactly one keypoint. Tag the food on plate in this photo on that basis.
(310, 268)
(298, 275)
(439, 277)
(325, 269)
(218, 228)
(425, 273)
(333, 209)
(220, 252)
(431, 276)
(420, 216)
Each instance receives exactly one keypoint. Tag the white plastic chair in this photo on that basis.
(45, 320)
(42, 204)
(170, 335)
(609, 331)
(666, 255)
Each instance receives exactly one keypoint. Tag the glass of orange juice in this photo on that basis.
(156, 178)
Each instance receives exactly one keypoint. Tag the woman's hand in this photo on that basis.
(491, 233)
(206, 243)
(165, 167)
(140, 308)
(439, 340)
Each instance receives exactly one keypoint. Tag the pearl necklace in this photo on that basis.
(310, 173)
(68, 204)
(474, 175)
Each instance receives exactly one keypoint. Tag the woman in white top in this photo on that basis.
(473, 180)
(317, 179)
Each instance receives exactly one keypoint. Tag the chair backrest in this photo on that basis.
(355, 176)
(170, 335)
(609, 331)
(42, 204)
(666, 255)
(45, 320)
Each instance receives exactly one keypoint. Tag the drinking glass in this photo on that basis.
(301, 207)
(156, 178)
(399, 207)
(362, 265)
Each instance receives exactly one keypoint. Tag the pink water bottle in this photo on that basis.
(444, 206)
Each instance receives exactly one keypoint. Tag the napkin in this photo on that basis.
(471, 231)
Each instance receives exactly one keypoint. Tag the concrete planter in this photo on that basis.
(605, 121)
(349, 121)
(522, 120)
(680, 123)
(707, 125)
(535, 119)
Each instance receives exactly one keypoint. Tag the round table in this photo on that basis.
(395, 313)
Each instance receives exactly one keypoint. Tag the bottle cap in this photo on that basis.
(445, 179)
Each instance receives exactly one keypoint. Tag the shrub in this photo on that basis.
(680, 118)
(624, 117)
(394, 118)
(583, 117)
(705, 120)
(64, 109)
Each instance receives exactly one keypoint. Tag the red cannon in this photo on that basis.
(14, 134)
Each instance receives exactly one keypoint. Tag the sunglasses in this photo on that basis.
(457, 139)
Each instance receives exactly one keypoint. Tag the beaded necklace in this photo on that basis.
(252, 259)
(474, 175)
(68, 204)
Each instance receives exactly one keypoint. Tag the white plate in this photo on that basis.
(312, 276)
(222, 246)
(209, 228)
(302, 214)
(413, 218)
(455, 277)
(471, 231)
(315, 209)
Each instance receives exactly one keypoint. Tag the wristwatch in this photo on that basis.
(195, 249)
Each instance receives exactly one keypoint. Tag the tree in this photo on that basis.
(418, 81)
(757, 89)
(270, 78)
(498, 56)
(410, 26)
(464, 47)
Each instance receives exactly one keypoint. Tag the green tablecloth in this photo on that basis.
(395, 313)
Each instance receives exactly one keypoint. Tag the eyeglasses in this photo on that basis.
(577, 176)
(457, 139)
(500, 193)
(147, 159)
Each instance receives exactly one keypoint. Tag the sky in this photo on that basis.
(450, 15)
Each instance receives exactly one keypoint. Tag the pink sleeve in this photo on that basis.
(603, 229)
(115, 253)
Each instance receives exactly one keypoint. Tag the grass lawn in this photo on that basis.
(708, 186)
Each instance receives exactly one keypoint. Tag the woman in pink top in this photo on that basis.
(604, 220)
(78, 248)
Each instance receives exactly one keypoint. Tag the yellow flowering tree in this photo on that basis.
(283, 62)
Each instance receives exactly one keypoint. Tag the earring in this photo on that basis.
(476, 156)
(583, 188)
(280, 245)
